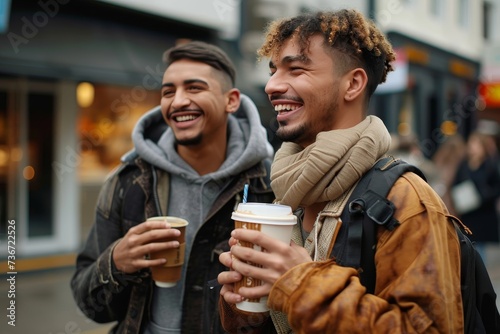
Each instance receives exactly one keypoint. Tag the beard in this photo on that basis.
(291, 135)
(307, 131)
(189, 142)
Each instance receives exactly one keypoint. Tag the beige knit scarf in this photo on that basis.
(325, 171)
(330, 166)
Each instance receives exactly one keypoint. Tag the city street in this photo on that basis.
(44, 303)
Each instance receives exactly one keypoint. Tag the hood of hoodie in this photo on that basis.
(247, 143)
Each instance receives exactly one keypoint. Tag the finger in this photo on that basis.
(155, 262)
(152, 235)
(261, 266)
(248, 254)
(153, 247)
(229, 296)
(232, 241)
(149, 225)
(146, 263)
(255, 292)
(261, 239)
(250, 269)
(229, 277)
(225, 258)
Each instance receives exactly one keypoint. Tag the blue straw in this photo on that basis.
(245, 193)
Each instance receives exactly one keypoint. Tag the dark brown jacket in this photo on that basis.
(133, 193)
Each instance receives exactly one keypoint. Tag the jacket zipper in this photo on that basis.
(155, 191)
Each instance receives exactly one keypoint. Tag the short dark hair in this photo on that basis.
(203, 52)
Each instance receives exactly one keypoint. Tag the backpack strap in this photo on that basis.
(368, 205)
(468, 281)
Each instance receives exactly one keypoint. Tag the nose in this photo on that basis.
(275, 84)
(180, 100)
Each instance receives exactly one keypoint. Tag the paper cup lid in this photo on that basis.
(265, 213)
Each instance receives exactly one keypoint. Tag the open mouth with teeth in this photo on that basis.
(185, 118)
(285, 107)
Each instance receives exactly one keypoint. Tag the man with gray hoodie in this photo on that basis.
(192, 156)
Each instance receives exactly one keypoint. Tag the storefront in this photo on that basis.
(74, 78)
(435, 96)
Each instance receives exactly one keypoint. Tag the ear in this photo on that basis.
(356, 81)
(233, 100)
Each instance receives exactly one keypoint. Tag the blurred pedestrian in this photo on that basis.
(407, 148)
(475, 191)
(193, 155)
(324, 68)
(447, 159)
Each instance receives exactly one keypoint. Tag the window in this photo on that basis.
(436, 8)
(487, 7)
(4, 161)
(38, 171)
(463, 11)
(104, 129)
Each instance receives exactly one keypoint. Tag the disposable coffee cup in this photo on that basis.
(275, 220)
(168, 274)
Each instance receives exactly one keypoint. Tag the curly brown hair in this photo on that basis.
(354, 40)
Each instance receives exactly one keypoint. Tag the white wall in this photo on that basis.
(491, 56)
(222, 15)
(413, 18)
(258, 73)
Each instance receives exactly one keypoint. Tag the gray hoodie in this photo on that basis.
(191, 195)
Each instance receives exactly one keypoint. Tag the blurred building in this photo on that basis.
(489, 88)
(439, 46)
(74, 78)
(76, 75)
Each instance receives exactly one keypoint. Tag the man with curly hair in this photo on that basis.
(324, 68)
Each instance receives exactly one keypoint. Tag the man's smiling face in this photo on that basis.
(193, 101)
(303, 89)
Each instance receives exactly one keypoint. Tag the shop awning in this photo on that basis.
(64, 44)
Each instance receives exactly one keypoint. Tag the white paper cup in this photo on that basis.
(274, 220)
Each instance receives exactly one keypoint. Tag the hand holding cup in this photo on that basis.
(169, 273)
(275, 222)
(159, 244)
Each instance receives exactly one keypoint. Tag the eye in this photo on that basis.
(296, 69)
(167, 92)
(194, 88)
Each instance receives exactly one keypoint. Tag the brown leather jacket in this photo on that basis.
(418, 279)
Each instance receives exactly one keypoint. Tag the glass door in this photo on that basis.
(32, 140)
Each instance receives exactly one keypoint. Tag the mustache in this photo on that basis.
(273, 97)
(175, 111)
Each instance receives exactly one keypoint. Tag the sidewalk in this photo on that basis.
(44, 304)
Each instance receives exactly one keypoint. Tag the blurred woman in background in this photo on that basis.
(476, 189)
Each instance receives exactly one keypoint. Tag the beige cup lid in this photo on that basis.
(265, 213)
